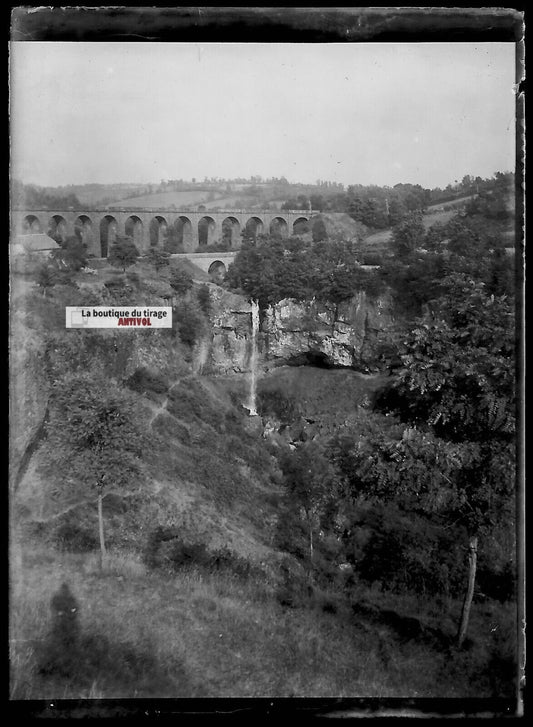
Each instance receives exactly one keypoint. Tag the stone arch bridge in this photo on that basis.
(192, 230)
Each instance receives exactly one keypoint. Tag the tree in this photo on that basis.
(310, 480)
(123, 253)
(158, 258)
(46, 278)
(73, 254)
(319, 231)
(408, 235)
(270, 269)
(95, 439)
(204, 299)
(458, 385)
(190, 322)
(172, 243)
(180, 281)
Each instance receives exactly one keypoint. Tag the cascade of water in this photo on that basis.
(253, 359)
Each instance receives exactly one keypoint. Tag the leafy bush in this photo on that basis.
(46, 278)
(404, 553)
(165, 548)
(277, 403)
(204, 299)
(408, 235)
(72, 535)
(172, 243)
(270, 269)
(214, 247)
(190, 323)
(372, 258)
(146, 380)
(158, 258)
(118, 291)
(73, 254)
(180, 281)
(189, 401)
(498, 584)
(134, 278)
(123, 253)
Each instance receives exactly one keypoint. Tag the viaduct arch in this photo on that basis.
(193, 230)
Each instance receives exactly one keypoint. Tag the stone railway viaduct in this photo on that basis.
(194, 230)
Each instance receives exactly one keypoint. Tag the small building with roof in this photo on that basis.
(26, 251)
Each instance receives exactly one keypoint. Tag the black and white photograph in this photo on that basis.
(266, 358)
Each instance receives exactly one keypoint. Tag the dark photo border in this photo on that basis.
(300, 25)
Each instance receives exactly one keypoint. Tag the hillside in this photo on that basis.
(207, 588)
(167, 200)
(435, 214)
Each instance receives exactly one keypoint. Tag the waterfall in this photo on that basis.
(253, 359)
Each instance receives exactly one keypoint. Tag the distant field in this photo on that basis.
(163, 200)
(229, 202)
(379, 238)
(452, 203)
(434, 216)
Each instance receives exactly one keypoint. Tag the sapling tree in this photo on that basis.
(95, 440)
(46, 278)
(310, 481)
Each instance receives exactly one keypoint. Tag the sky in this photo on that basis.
(356, 113)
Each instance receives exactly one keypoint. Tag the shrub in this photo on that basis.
(133, 277)
(115, 283)
(165, 547)
(204, 299)
(158, 258)
(118, 291)
(497, 584)
(145, 380)
(123, 253)
(372, 258)
(275, 402)
(294, 590)
(47, 277)
(74, 536)
(180, 281)
(404, 553)
(73, 254)
(172, 243)
(190, 323)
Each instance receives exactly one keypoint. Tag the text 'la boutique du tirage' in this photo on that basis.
(114, 317)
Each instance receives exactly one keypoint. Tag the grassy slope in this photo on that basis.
(161, 200)
(198, 633)
(432, 216)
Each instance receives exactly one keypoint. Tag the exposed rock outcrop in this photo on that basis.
(351, 334)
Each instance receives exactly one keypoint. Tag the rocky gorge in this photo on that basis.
(355, 334)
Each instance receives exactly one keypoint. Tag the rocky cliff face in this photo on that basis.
(227, 349)
(352, 334)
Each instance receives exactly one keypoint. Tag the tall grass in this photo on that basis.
(198, 632)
